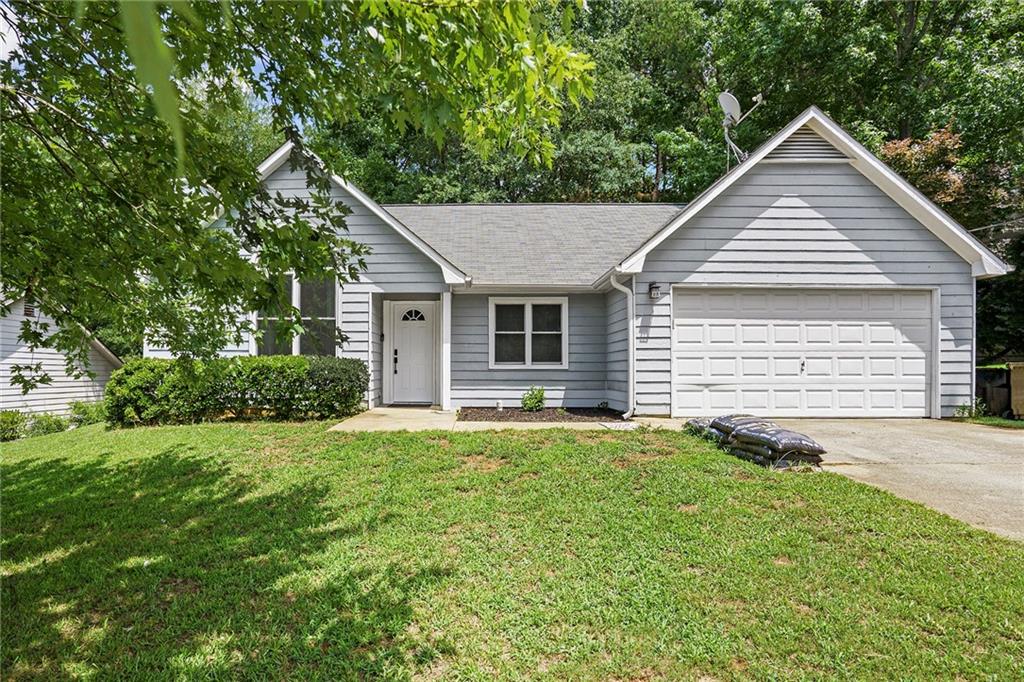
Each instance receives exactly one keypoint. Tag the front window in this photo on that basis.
(529, 333)
(316, 301)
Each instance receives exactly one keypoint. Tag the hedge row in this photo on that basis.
(151, 391)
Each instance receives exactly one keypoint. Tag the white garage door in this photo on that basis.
(825, 353)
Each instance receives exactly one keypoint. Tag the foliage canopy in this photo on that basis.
(112, 172)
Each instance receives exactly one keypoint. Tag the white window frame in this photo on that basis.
(527, 303)
(296, 300)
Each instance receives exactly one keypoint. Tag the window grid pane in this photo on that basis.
(269, 342)
(546, 348)
(510, 348)
(319, 337)
(547, 317)
(510, 318)
(317, 298)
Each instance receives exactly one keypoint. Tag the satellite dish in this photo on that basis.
(730, 107)
(733, 117)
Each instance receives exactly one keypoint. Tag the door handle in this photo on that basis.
(803, 365)
(395, 363)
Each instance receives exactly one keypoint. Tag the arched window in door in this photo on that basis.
(413, 315)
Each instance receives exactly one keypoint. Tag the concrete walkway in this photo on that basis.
(430, 419)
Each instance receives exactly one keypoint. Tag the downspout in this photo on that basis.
(630, 399)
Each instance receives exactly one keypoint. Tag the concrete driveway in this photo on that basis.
(971, 472)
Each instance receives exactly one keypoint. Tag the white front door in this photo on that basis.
(802, 352)
(413, 351)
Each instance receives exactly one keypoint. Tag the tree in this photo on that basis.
(113, 171)
(979, 194)
(926, 75)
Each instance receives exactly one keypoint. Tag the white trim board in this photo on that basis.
(983, 262)
(527, 302)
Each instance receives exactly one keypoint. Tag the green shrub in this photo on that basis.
(270, 386)
(191, 391)
(43, 424)
(337, 387)
(84, 413)
(533, 400)
(12, 425)
(131, 394)
(153, 391)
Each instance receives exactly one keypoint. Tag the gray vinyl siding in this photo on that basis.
(617, 352)
(582, 385)
(355, 324)
(394, 265)
(63, 390)
(814, 224)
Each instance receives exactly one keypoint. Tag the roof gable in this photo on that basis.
(801, 140)
(452, 274)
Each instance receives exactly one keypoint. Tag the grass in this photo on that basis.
(284, 551)
(1001, 422)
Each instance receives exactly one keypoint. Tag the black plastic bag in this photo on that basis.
(730, 422)
(777, 438)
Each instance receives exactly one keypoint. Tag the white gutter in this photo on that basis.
(632, 344)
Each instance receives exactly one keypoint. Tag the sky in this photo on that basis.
(8, 39)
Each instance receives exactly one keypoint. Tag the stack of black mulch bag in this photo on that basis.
(758, 440)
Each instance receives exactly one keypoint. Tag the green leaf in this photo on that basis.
(154, 64)
(225, 8)
(183, 8)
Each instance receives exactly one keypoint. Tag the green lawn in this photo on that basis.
(1001, 422)
(281, 550)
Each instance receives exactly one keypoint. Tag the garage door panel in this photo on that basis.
(802, 352)
(817, 367)
(913, 367)
(754, 399)
(881, 367)
(689, 334)
(850, 367)
(786, 333)
(786, 399)
(754, 367)
(754, 334)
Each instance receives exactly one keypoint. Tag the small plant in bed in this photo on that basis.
(533, 400)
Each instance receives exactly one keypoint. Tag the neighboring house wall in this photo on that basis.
(582, 385)
(812, 224)
(63, 390)
(617, 356)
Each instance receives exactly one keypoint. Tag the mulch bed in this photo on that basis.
(548, 414)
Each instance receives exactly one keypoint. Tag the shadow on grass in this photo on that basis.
(175, 566)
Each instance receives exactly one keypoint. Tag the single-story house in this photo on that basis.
(809, 280)
(63, 389)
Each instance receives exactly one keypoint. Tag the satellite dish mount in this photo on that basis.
(733, 116)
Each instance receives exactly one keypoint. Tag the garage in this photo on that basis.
(802, 352)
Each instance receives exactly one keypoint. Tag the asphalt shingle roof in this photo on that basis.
(534, 244)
